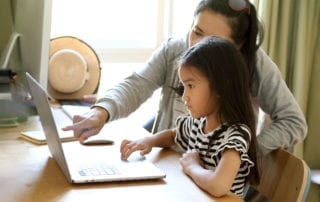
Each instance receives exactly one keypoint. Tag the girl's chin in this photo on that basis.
(194, 115)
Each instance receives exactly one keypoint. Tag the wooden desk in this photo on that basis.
(28, 173)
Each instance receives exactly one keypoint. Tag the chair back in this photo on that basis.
(284, 177)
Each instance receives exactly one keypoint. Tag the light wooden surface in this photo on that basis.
(28, 173)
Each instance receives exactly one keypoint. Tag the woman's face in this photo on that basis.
(209, 23)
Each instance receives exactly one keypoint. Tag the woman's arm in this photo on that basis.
(288, 125)
(128, 95)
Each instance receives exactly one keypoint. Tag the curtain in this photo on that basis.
(292, 40)
(292, 29)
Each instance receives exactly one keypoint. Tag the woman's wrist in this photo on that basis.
(102, 113)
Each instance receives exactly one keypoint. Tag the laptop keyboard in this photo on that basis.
(98, 170)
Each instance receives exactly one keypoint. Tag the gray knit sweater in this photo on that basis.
(288, 125)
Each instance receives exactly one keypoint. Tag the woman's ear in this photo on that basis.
(239, 46)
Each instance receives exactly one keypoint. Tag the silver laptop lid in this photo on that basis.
(40, 98)
(130, 171)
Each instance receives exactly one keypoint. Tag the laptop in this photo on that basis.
(100, 168)
(71, 110)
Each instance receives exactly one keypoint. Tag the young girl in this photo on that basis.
(218, 134)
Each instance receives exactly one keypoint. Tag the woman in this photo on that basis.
(221, 18)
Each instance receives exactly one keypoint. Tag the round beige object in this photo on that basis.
(67, 71)
(74, 69)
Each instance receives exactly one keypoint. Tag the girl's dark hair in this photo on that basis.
(247, 31)
(222, 63)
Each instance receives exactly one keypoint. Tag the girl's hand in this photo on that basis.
(128, 147)
(190, 160)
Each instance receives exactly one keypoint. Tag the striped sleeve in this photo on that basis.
(184, 126)
(235, 139)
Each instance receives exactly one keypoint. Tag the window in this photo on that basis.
(122, 31)
(180, 16)
(111, 27)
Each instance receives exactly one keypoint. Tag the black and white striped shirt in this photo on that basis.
(190, 136)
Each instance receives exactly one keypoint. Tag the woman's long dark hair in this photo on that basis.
(247, 31)
(222, 63)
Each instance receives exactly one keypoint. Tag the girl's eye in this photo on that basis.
(190, 86)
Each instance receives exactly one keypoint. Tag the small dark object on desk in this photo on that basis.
(95, 142)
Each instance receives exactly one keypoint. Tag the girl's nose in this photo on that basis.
(185, 98)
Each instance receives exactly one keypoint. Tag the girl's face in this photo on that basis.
(209, 23)
(197, 95)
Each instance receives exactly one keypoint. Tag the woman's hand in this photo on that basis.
(88, 124)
